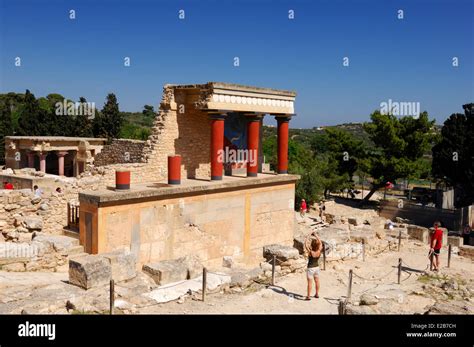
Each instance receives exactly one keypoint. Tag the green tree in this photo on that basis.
(6, 126)
(399, 144)
(453, 160)
(83, 122)
(109, 122)
(30, 116)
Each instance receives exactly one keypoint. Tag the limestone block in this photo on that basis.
(455, 241)
(123, 265)
(89, 271)
(418, 233)
(33, 223)
(166, 271)
(282, 252)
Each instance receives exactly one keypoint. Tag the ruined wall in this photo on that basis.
(179, 128)
(236, 223)
(120, 151)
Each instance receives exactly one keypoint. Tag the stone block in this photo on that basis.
(89, 271)
(466, 251)
(418, 233)
(33, 223)
(282, 252)
(168, 271)
(123, 265)
(455, 241)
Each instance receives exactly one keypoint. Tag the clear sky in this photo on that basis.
(407, 60)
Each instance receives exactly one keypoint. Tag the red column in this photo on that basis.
(42, 157)
(174, 169)
(61, 156)
(253, 139)
(283, 123)
(217, 146)
(31, 159)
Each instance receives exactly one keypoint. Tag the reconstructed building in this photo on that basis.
(209, 214)
(58, 155)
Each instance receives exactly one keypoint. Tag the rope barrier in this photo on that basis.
(374, 279)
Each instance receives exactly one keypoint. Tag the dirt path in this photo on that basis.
(288, 293)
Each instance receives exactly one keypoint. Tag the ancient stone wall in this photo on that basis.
(179, 128)
(210, 225)
(120, 151)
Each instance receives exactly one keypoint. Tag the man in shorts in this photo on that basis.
(435, 244)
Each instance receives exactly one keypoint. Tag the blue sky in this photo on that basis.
(403, 60)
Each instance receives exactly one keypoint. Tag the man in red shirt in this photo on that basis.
(436, 244)
(8, 185)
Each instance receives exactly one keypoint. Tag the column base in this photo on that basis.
(252, 174)
(280, 172)
(216, 178)
(174, 181)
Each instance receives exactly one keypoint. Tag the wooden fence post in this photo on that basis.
(449, 255)
(349, 287)
(204, 283)
(399, 269)
(273, 270)
(112, 296)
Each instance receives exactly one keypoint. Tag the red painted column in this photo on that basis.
(253, 139)
(283, 124)
(42, 157)
(174, 169)
(61, 156)
(217, 146)
(122, 179)
(31, 159)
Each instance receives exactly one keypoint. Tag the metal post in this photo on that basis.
(399, 269)
(204, 283)
(399, 239)
(449, 255)
(363, 249)
(273, 270)
(324, 257)
(112, 296)
(349, 288)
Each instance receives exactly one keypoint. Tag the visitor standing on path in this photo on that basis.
(435, 244)
(313, 248)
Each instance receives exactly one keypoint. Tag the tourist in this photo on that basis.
(322, 208)
(303, 207)
(38, 191)
(435, 244)
(466, 234)
(313, 249)
(7, 185)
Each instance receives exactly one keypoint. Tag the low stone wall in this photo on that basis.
(467, 251)
(420, 215)
(121, 151)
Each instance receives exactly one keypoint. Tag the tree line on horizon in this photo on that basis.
(386, 149)
(26, 115)
(391, 149)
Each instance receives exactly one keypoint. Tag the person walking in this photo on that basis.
(313, 248)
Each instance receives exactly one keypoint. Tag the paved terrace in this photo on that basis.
(161, 190)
